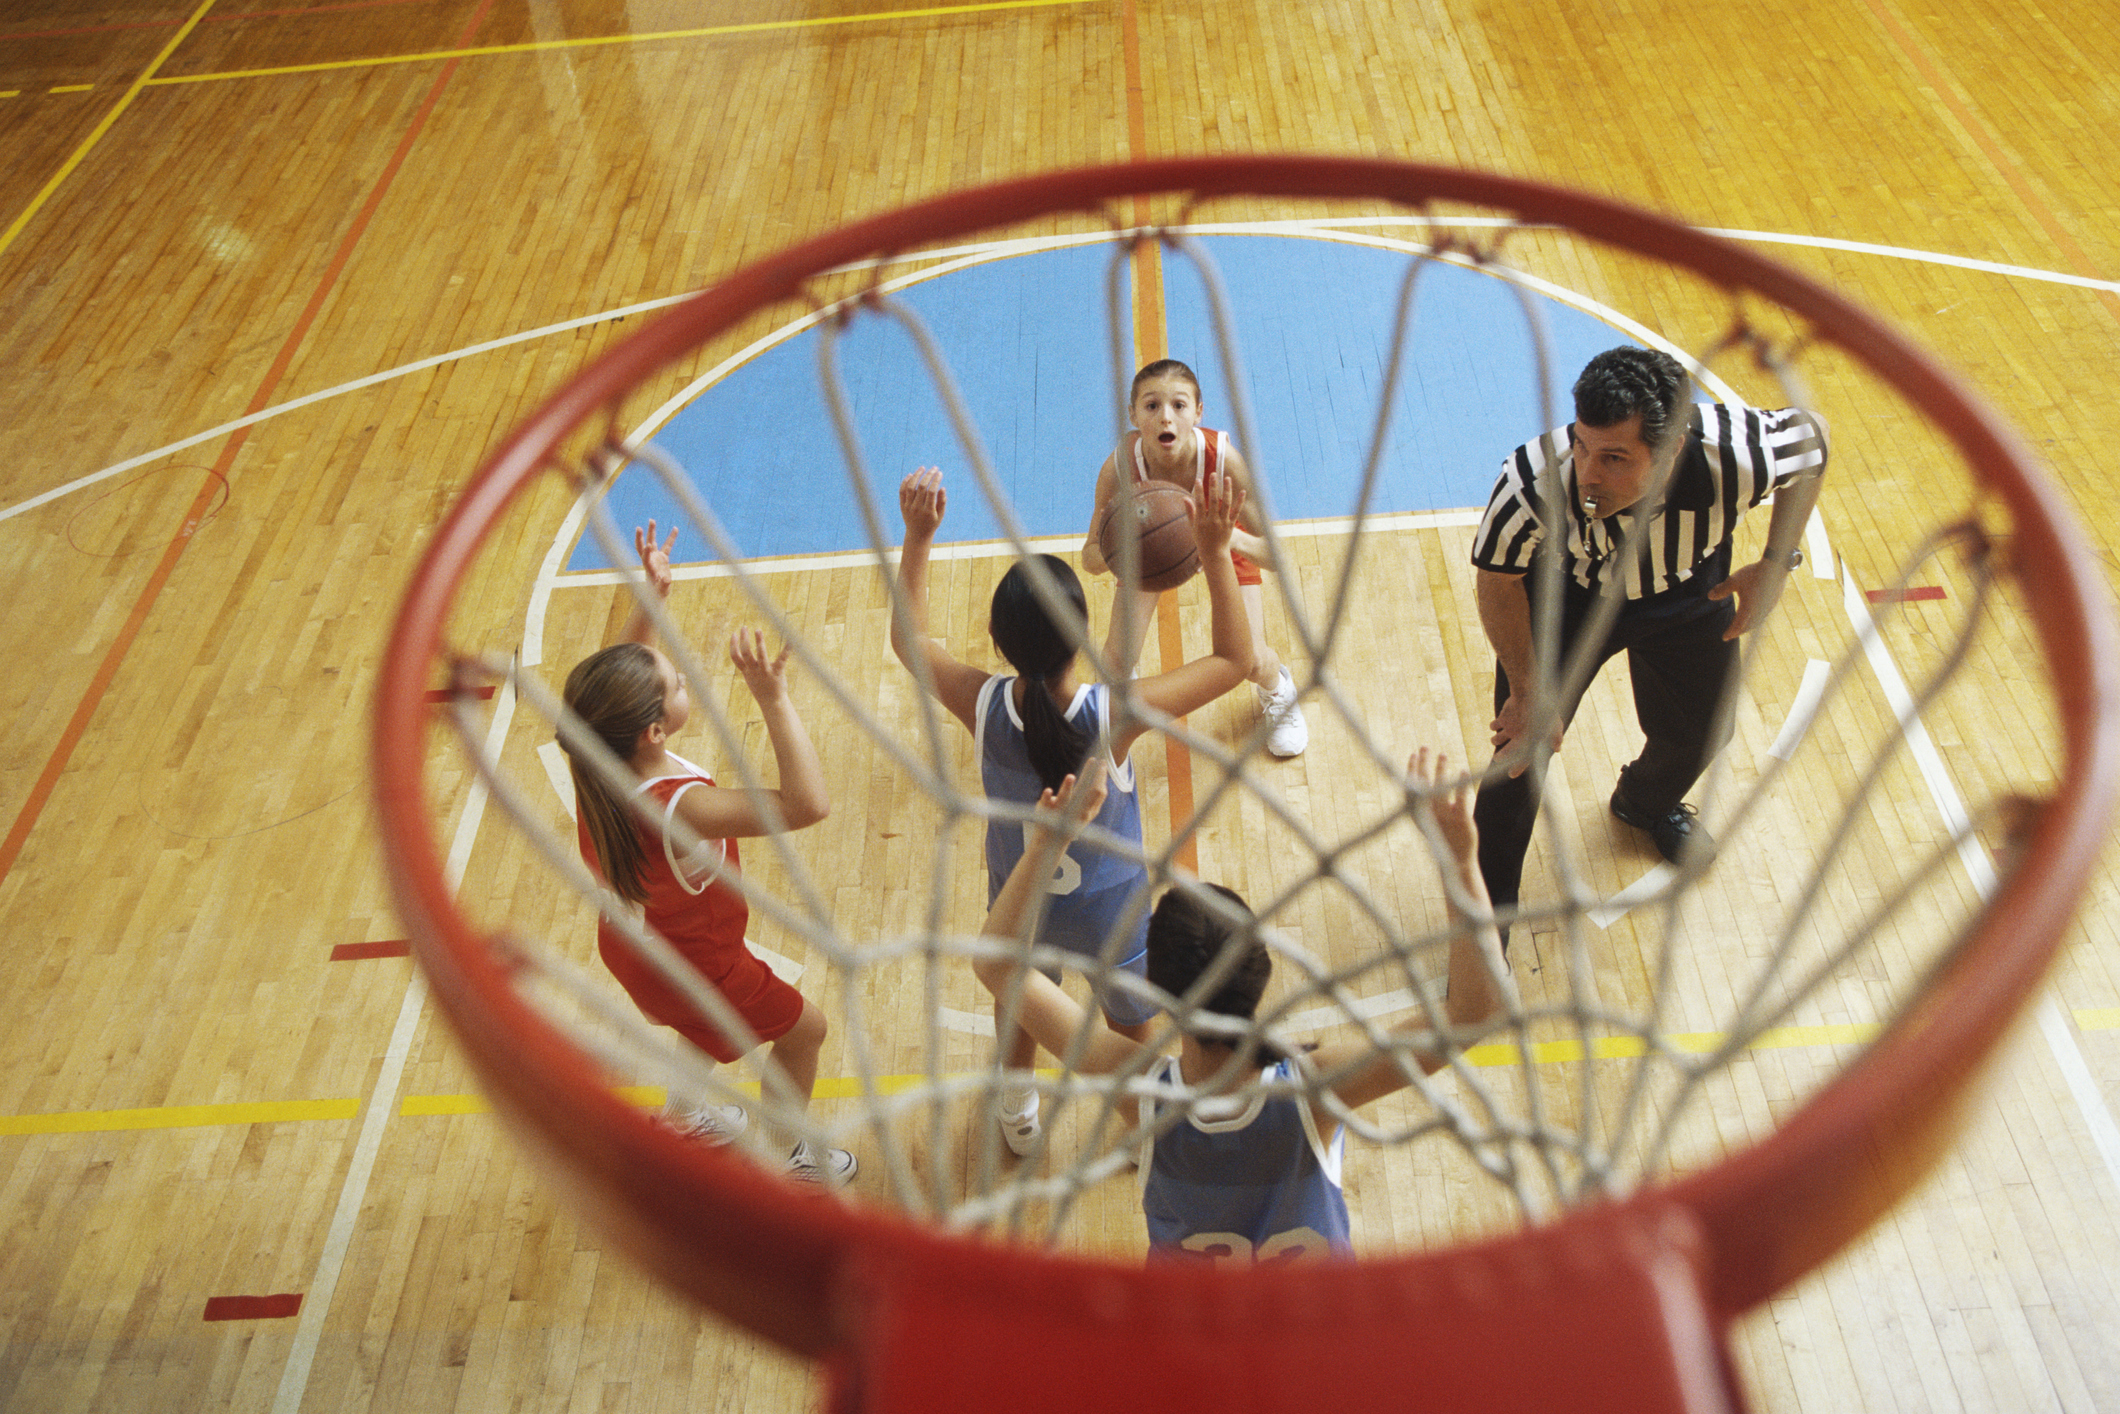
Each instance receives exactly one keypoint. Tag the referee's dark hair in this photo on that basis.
(1621, 382)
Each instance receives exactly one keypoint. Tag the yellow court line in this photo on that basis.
(846, 1087)
(36, 204)
(178, 1116)
(72, 88)
(544, 45)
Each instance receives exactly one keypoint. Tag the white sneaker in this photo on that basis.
(1020, 1129)
(1290, 732)
(709, 1124)
(832, 1171)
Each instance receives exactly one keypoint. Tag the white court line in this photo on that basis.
(967, 1023)
(1802, 709)
(1324, 1017)
(557, 772)
(382, 1104)
(1002, 549)
(1648, 886)
(2053, 1026)
(997, 250)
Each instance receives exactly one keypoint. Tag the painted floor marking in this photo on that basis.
(2086, 1019)
(2053, 1025)
(95, 135)
(1648, 886)
(993, 250)
(1802, 708)
(605, 41)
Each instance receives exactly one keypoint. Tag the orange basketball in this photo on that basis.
(1162, 514)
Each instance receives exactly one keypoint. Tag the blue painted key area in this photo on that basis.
(1028, 341)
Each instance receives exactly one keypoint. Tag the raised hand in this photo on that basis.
(1077, 801)
(921, 501)
(1216, 503)
(654, 559)
(766, 677)
(1450, 808)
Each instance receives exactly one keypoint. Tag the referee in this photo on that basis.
(1642, 491)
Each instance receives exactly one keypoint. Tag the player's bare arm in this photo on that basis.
(655, 564)
(1107, 487)
(921, 502)
(1478, 988)
(1043, 1008)
(802, 797)
(1216, 510)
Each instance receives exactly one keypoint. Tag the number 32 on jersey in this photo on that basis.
(1298, 1244)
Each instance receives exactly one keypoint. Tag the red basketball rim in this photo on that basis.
(821, 1277)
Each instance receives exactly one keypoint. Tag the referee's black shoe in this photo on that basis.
(1673, 832)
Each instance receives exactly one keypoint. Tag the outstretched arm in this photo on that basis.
(1048, 1013)
(730, 812)
(921, 501)
(1107, 488)
(1216, 507)
(655, 564)
(1478, 987)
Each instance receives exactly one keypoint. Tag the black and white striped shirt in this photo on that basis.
(1734, 456)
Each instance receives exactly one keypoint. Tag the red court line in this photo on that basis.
(296, 12)
(357, 952)
(450, 694)
(1151, 340)
(63, 751)
(2007, 166)
(1903, 596)
(253, 1308)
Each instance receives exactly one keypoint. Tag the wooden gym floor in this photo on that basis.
(221, 1081)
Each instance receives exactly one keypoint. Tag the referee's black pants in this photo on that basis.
(1679, 664)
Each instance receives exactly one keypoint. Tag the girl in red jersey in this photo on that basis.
(1168, 444)
(635, 700)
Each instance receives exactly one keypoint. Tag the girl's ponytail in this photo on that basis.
(1037, 648)
(618, 694)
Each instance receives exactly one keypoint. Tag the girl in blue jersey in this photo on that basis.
(1039, 725)
(1245, 1177)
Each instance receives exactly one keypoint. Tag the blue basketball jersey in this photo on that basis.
(1091, 887)
(1243, 1179)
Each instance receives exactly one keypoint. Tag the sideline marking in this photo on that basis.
(353, 1192)
(179, 1117)
(2007, 166)
(66, 168)
(252, 1308)
(959, 257)
(1780, 1038)
(599, 41)
(1973, 857)
(211, 19)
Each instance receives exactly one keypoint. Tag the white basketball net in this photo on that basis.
(1661, 1018)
